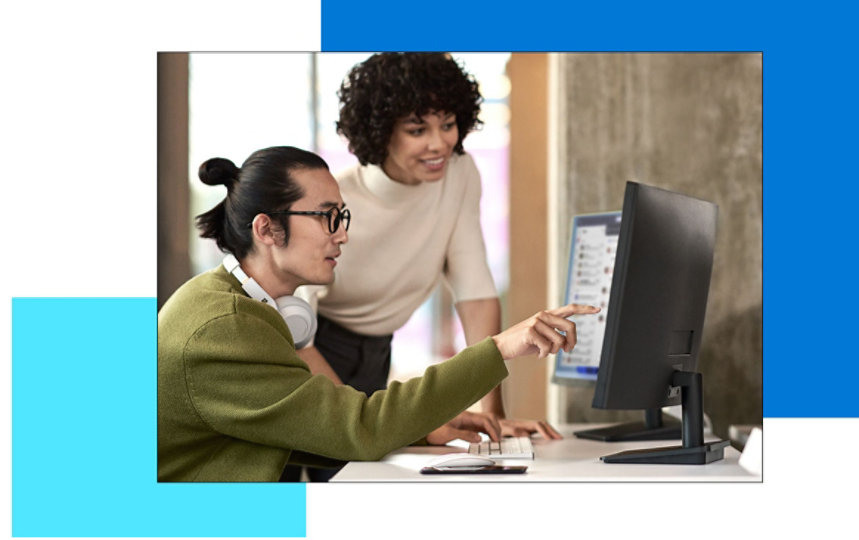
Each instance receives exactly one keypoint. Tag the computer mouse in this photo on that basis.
(460, 460)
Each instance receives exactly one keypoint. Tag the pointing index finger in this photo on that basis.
(574, 309)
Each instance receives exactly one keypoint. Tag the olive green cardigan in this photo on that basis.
(236, 403)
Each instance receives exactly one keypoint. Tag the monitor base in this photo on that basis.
(694, 450)
(653, 428)
(633, 431)
(672, 455)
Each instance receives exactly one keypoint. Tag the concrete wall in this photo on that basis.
(690, 123)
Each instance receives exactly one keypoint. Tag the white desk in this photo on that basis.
(568, 460)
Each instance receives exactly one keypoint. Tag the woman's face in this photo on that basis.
(421, 147)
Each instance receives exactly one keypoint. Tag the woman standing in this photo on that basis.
(405, 116)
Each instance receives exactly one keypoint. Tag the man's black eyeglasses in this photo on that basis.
(335, 216)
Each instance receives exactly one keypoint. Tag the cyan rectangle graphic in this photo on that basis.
(84, 452)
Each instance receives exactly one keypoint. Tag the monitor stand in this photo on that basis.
(694, 450)
(652, 429)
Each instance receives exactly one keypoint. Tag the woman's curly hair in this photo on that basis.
(389, 86)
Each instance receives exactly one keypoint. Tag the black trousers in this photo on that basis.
(362, 362)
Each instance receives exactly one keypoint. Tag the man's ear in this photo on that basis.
(263, 230)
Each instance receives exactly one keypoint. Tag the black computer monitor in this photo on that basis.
(655, 317)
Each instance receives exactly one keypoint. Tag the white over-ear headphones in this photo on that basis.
(297, 313)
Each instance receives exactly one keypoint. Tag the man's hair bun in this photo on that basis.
(218, 171)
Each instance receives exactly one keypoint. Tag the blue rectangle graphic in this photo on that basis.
(542, 26)
(84, 451)
(808, 142)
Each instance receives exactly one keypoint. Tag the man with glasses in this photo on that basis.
(235, 401)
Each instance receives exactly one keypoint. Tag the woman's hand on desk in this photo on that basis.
(525, 428)
(544, 333)
(467, 426)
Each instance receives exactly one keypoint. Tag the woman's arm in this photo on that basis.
(317, 363)
(482, 318)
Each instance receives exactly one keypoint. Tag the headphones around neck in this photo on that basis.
(297, 313)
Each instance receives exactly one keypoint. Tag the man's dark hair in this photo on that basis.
(263, 184)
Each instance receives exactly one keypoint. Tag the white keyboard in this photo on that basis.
(507, 448)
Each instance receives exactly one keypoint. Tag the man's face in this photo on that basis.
(311, 253)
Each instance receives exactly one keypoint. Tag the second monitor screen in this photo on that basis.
(593, 248)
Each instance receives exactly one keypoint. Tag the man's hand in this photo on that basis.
(543, 333)
(467, 426)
